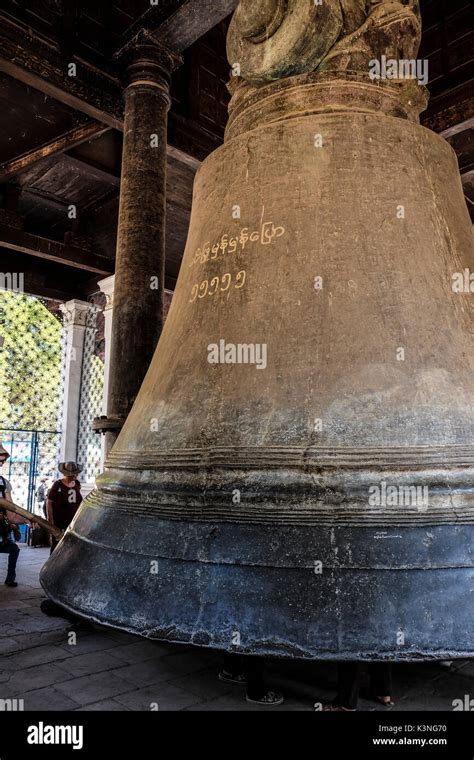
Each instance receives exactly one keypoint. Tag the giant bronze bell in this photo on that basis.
(296, 477)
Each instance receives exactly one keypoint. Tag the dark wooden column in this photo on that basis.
(140, 260)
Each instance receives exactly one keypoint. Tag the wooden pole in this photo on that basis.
(8, 505)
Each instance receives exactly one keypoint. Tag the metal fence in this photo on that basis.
(33, 368)
(33, 458)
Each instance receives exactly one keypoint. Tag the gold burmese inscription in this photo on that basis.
(218, 284)
(265, 236)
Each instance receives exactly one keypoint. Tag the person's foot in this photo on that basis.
(270, 699)
(237, 678)
(337, 708)
(386, 701)
(12, 584)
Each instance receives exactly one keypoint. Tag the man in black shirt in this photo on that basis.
(64, 498)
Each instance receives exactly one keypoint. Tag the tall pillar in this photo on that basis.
(140, 260)
(76, 320)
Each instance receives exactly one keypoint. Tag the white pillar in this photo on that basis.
(75, 321)
(107, 287)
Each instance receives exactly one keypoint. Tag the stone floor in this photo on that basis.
(109, 670)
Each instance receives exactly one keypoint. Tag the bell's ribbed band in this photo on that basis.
(289, 457)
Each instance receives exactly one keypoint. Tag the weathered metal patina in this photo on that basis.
(296, 475)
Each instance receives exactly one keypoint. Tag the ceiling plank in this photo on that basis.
(49, 201)
(52, 250)
(89, 169)
(67, 140)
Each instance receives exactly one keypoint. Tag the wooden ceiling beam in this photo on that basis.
(463, 126)
(48, 280)
(52, 250)
(59, 144)
(453, 108)
(35, 285)
(192, 20)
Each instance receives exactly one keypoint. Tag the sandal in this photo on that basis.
(270, 699)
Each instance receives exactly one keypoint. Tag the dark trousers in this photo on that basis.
(11, 548)
(349, 675)
(253, 668)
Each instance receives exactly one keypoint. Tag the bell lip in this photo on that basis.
(284, 649)
(346, 656)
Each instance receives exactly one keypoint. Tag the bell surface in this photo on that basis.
(296, 475)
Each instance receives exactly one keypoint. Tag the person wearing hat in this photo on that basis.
(64, 498)
(8, 523)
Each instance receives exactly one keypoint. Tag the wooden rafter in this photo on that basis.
(192, 20)
(63, 142)
(61, 253)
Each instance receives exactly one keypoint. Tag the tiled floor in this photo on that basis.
(109, 670)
